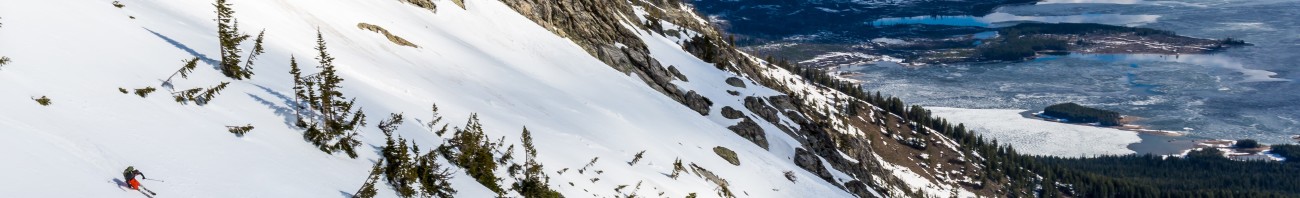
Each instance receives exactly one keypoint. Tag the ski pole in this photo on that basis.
(158, 180)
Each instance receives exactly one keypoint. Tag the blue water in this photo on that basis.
(1248, 92)
(1000, 19)
(971, 21)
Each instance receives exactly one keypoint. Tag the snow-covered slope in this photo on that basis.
(486, 59)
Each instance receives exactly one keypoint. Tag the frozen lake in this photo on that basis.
(1248, 92)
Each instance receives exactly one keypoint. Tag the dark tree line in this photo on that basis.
(1289, 151)
(1019, 48)
(1077, 28)
(1081, 114)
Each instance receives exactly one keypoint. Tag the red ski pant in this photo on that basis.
(134, 184)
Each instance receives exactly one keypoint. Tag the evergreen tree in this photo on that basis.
(433, 122)
(199, 96)
(368, 188)
(333, 126)
(433, 178)
(184, 71)
(471, 149)
(230, 37)
(1247, 143)
(678, 169)
(299, 91)
(398, 165)
(534, 182)
(240, 130)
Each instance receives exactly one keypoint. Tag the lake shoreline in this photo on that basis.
(1155, 142)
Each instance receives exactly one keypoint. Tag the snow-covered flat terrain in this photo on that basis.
(1039, 137)
(487, 60)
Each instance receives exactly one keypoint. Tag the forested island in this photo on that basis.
(1029, 39)
(1075, 113)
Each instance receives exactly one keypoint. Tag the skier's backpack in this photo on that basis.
(129, 173)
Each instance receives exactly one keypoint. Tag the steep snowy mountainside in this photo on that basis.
(862, 148)
(486, 59)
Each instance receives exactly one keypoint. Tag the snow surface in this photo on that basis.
(487, 60)
(1040, 137)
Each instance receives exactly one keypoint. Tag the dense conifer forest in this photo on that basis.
(1081, 114)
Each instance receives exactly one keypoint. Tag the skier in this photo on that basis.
(129, 174)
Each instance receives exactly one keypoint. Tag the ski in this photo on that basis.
(147, 194)
(150, 193)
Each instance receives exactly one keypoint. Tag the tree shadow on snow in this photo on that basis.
(286, 112)
(187, 49)
(346, 194)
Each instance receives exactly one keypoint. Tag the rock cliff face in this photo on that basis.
(865, 148)
(597, 26)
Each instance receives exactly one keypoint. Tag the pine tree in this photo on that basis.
(333, 127)
(433, 178)
(534, 183)
(184, 71)
(299, 92)
(678, 169)
(368, 188)
(433, 122)
(230, 37)
(199, 96)
(240, 130)
(471, 149)
(397, 159)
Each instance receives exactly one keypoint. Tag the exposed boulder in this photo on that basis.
(808, 161)
(678, 74)
(736, 82)
(758, 106)
(727, 154)
(858, 188)
(697, 102)
(750, 130)
(782, 102)
(730, 113)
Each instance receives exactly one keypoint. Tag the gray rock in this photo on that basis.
(697, 102)
(730, 113)
(808, 161)
(750, 130)
(736, 82)
(678, 74)
(758, 106)
(782, 102)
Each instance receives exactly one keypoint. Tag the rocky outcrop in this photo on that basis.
(426, 4)
(678, 74)
(859, 188)
(598, 27)
(736, 82)
(731, 113)
(756, 105)
(808, 161)
(697, 102)
(750, 130)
